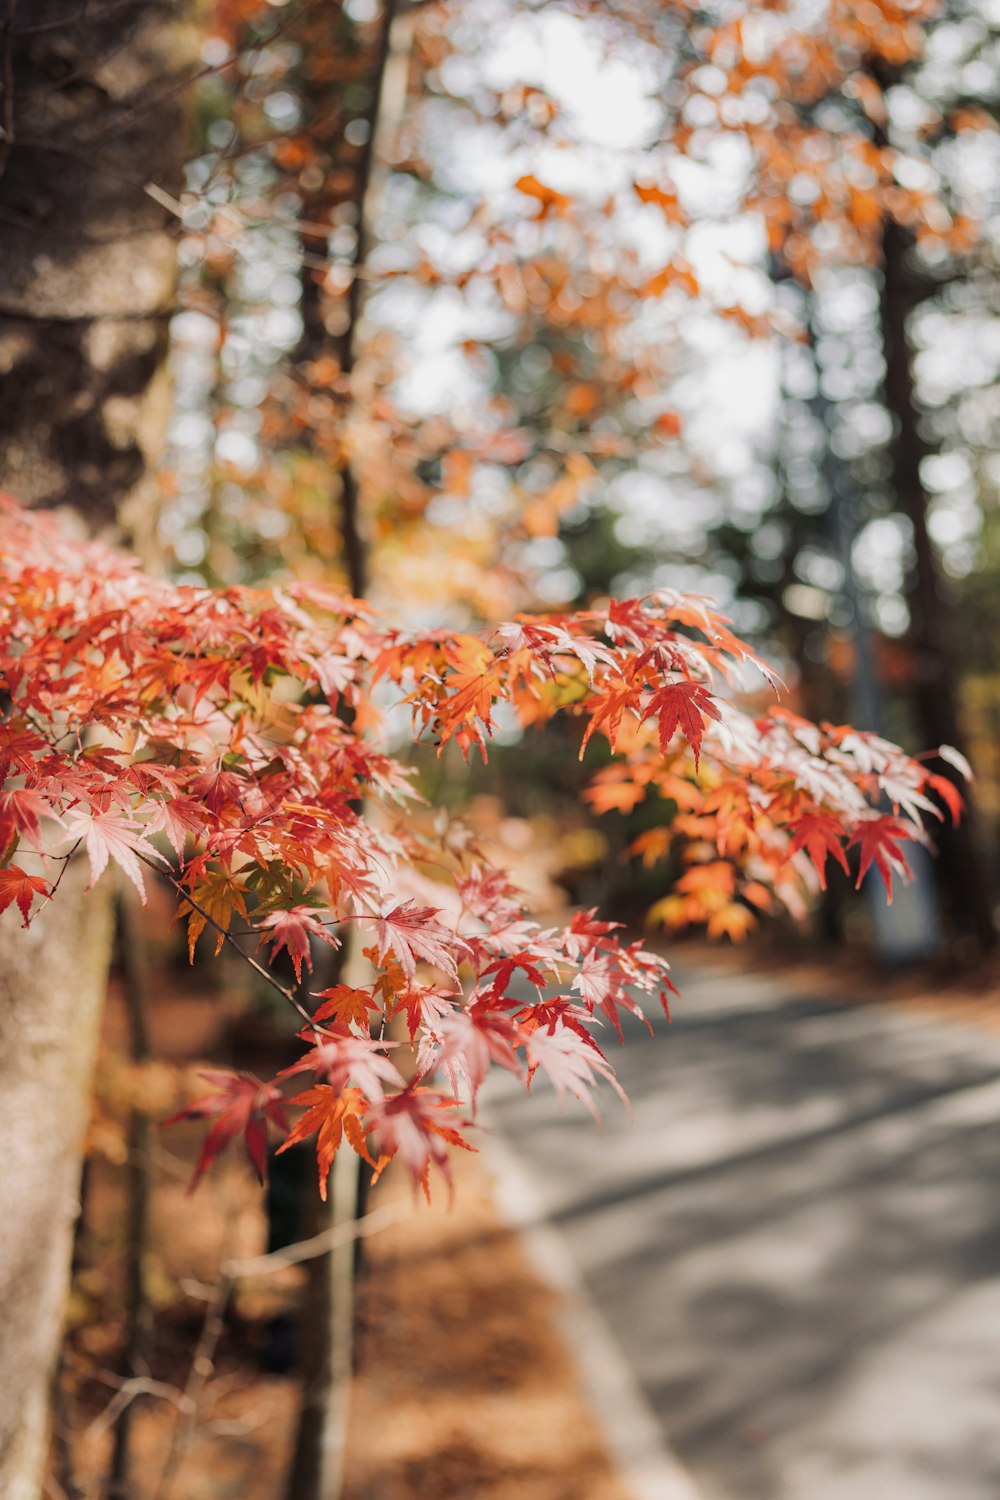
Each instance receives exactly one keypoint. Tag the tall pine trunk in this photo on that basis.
(92, 115)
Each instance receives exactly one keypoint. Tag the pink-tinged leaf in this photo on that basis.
(411, 932)
(20, 810)
(466, 1041)
(955, 758)
(601, 986)
(242, 1105)
(340, 1060)
(648, 972)
(334, 673)
(112, 836)
(416, 1125)
(490, 896)
(176, 818)
(17, 885)
(291, 931)
(572, 1064)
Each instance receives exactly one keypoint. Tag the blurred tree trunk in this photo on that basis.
(52, 983)
(92, 113)
(327, 1322)
(961, 869)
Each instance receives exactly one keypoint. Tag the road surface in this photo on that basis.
(796, 1242)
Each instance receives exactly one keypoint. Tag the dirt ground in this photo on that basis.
(464, 1389)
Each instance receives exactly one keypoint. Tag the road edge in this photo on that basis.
(631, 1432)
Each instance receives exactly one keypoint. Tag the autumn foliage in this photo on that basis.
(229, 741)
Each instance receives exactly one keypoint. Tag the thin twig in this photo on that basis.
(136, 1385)
(202, 1367)
(62, 1454)
(319, 1244)
(65, 866)
(227, 937)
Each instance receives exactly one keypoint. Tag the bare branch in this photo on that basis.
(319, 1244)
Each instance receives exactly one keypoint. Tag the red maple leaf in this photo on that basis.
(683, 704)
(17, 885)
(423, 1004)
(20, 810)
(346, 1006)
(560, 1011)
(819, 834)
(291, 930)
(586, 932)
(503, 970)
(879, 840)
(243, 1106)
(949, 794)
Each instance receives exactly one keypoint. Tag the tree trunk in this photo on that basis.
(93, 120)
(961, 868)
(327, 1323)
(92, 145)
(53, 978)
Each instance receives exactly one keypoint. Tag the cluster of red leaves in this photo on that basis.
(228, 740)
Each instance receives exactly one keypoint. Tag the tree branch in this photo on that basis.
(228, 937)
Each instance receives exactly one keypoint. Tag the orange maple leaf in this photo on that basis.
(334, 1115)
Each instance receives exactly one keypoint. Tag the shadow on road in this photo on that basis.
(797, 1241)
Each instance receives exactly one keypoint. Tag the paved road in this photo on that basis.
(797, 1242)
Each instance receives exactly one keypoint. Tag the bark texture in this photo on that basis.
(53, 978)
(92, 115)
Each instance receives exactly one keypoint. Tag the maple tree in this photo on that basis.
(225, 739)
